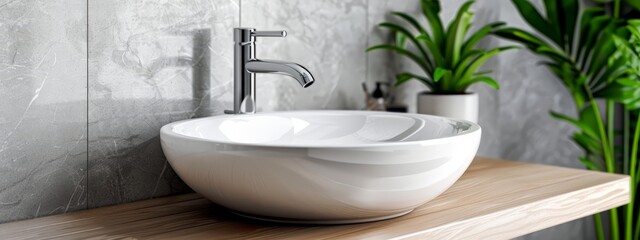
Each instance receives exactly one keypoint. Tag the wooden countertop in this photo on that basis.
(494, 199)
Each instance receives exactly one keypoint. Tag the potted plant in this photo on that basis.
(596, 56)
(450, 60)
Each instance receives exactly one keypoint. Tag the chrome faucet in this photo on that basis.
(246, 66)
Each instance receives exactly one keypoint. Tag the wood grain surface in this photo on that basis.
(494, 199)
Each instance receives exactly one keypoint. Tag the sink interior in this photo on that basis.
(305, 129)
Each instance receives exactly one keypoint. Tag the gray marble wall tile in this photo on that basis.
(151, 63)
(325, 36)
(382, 65)
(529, 92)
(42, 108)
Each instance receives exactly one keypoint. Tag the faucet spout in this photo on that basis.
(246, 65)
(294, 70)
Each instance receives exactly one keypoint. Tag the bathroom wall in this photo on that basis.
(151, 63)
(320, 40)
(43, 107)
(86, 85)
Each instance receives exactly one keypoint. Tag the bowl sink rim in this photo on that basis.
(168, 130)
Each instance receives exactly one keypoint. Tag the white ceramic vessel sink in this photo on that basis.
(320, 166)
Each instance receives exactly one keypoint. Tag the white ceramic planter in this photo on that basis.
(458, 106)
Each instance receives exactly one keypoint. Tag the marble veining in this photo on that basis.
(318, 39)
(151, 63)
(42, 108)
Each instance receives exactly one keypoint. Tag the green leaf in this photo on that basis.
(556, 22)
(481, 79)
(402, 78)
(553, 54)
(589, 16)
(589, 164)
(401, 40)
(575, 122)
(596, 27)
(634, 4)
(579, 96)
(478, 62)
(535, 20)
(633, 105)
(480, 73)
(529, 40)
(456, 33)
(439, 73)
(569, 10)
(624, 47)
(466, 59)
(634, 24)
(614, 70)
(628, 82)
(479, 35)
(431, 10)
(438, 59)
(603, 47)
(447, 83)
(411, 21)
(554, 67)
(407, 35)
(571, 77)
(405, 77)
(588, 144)
(463, 65)
(588, 121)
(416, 59)
(625, 91)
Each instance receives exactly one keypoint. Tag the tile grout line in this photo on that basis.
(368, 31)
(87, 162)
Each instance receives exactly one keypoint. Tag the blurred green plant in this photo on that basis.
(595, 57)
(628, 51)
(450, 61)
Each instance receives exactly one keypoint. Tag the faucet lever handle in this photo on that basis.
(269, 34)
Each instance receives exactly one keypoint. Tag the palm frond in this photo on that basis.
(535, 20)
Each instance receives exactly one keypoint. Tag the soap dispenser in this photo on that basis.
(378, 96)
